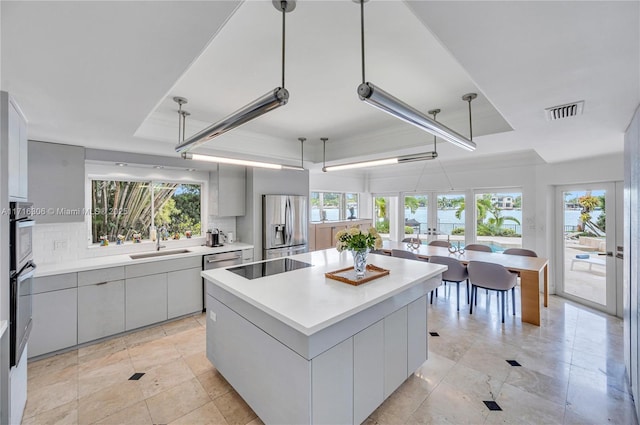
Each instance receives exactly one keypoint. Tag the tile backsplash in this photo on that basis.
(59, 242)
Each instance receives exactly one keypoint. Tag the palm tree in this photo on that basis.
(489, 226)
(412, 203)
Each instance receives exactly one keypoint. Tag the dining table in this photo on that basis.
(532, 271)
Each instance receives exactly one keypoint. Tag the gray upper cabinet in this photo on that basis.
(227, 191)
(56, 181)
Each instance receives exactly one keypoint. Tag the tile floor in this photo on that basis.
(571, 372)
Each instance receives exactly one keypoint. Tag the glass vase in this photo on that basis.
(360, 262)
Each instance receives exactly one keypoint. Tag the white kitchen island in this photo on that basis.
(304, 349)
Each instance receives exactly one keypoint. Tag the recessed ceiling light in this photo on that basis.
(190, 169)
(158, 167)
(121, 164)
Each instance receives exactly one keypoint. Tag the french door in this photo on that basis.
(586, 240)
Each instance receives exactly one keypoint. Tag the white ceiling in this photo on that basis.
(102, 74)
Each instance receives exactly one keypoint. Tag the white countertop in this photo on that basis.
(308, 301)
(126, 260)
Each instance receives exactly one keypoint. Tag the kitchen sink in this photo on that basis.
(158, 254)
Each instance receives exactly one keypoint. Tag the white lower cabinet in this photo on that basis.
(145, 300)
(184, 290)
(395, 350)
(417, 334)
(100, 310)
(368, 367)
(332, 385)
(55, 321)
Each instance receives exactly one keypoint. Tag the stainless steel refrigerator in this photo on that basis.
(284, 225)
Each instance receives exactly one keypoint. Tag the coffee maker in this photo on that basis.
(213, 237)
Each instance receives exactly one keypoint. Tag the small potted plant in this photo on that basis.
(104, 240)
(359, 243)
(187, 233)
(137, 237)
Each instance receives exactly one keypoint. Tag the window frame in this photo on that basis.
(102, 171)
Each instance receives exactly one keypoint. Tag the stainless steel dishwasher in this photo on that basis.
(217, 261)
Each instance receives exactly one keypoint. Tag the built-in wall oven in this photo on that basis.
(21, 277)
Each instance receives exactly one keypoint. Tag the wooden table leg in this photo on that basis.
(530, 297)
(546, 286)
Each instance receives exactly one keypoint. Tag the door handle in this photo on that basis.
(620, 256)
(608, 253)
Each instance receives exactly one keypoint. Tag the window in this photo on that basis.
(125, 210)
(334, 206)
(498, 220)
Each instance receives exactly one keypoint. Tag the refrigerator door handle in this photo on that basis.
(288, 223)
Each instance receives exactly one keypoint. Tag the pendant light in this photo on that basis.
(182, 117)
(375, 96)
(268, 102)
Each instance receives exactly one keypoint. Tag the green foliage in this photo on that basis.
(381, 208)
(458, 231)
(382, 226)
(490, 221)
(412, 203)
(124, 208)
(408, 230)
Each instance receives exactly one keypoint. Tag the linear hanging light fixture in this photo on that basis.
(385, 161)
(384, 101)
(268, 102)
(234, 161)
(220, 159)
(375, 162)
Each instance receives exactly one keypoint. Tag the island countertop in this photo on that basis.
(307, 301)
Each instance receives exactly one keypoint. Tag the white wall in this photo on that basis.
(631, 248)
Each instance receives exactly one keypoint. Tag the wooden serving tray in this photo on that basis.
(348, 275)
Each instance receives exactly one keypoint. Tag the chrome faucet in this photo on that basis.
(161, 232)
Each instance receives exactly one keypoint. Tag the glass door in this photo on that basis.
(450, 217)
(416, 214)
(586, 214)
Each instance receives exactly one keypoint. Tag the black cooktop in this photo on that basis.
(268, 268)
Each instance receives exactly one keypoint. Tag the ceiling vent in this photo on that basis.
(564, 111)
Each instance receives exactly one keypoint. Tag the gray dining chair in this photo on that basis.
(456, 273)
(494, 277)
(520, 251)
(401, 253)
(440, 243)
(477, 247)
(410, 239)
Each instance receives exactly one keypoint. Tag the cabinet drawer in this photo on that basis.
(54, 282)
(100, 276)
(162, 266)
